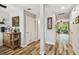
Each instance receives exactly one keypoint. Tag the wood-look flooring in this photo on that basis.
(34, 49)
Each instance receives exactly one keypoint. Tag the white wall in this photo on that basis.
(74, 29)
(8, 15)
(5, 16)
(50, 35)
(18, 12)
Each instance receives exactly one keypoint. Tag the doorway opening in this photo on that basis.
(62, 30)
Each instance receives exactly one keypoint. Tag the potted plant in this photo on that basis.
(62, 27)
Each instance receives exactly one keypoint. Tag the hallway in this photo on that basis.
(33, 49)
(52, 31)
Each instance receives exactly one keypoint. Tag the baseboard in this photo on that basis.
(0, 44)
(75, 51)
(35, 40)
(24, 45)
(42, 53)
(52, 43)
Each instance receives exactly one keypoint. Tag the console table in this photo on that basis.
(12, 39)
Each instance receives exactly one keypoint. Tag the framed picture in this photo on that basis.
(15, 21)
(49, 23)
(77, 20)
(2, 20)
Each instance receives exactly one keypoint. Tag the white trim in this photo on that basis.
(42, 29)
(53, 43)
(75, 50)
(24, 45)
(42, 52)
(0, 44)
(35, 39)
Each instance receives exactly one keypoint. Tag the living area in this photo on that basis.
(31, 29)
(14, 28)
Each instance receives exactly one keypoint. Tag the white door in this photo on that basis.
(72, 32)
(30, 33)
(74, 36)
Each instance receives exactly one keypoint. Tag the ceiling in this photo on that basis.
(35, 8)
(9, 8)
(61, 10)
(57, 8)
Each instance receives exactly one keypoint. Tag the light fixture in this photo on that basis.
(61, 14)
(29, 9)
(62, 7)
(1, 5)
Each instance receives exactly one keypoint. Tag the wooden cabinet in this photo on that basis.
(12, 39)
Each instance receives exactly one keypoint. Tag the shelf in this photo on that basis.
(2, 23)
(12, 40)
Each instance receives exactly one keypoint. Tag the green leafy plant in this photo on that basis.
(62, 27)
